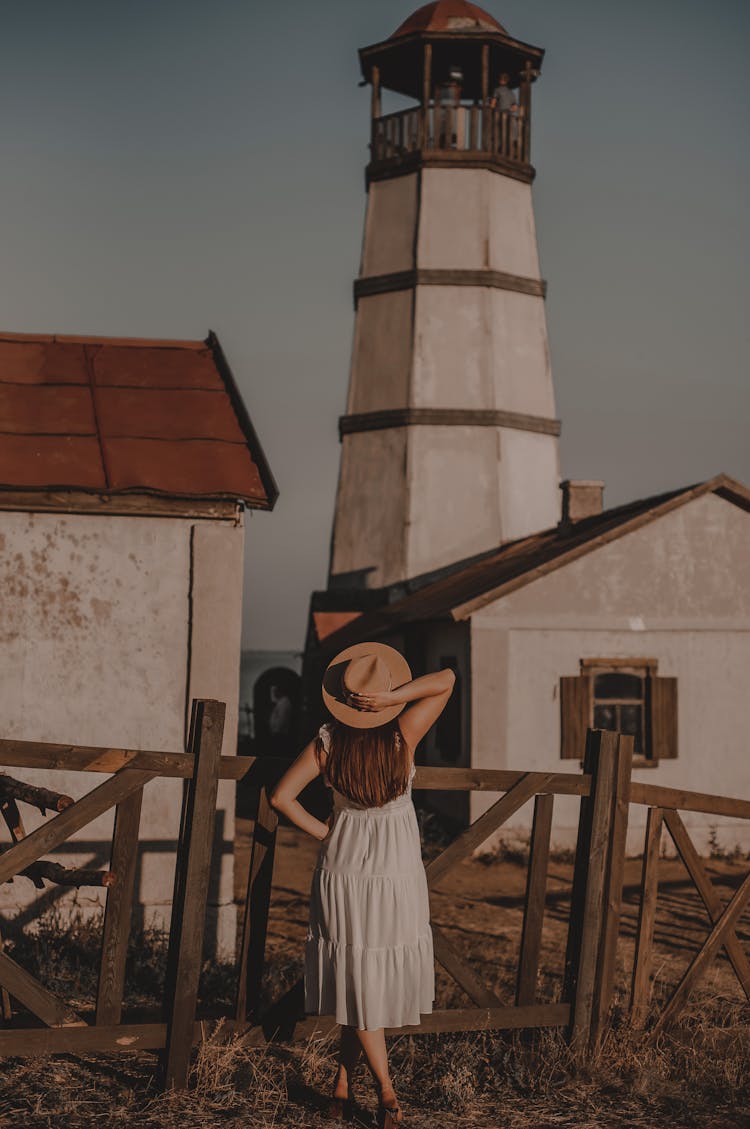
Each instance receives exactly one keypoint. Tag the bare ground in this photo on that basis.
(697, 1075)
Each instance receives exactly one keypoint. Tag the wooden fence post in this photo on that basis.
(536, 889)
(257, 901)
(640, 993)
(191, 888)
(118, 910)
(588, 909)
(618, 830)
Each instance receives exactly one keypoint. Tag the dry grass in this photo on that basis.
(697, 1076)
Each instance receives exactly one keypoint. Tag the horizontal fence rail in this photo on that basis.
(88, 758)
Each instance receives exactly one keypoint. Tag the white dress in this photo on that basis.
(368, 954)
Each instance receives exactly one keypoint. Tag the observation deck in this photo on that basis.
(460, 135)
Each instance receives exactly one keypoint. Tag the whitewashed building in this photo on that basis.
(125, 467)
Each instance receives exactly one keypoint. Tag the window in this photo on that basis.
(619, 703)
(625, 695)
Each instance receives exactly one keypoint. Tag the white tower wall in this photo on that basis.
(450, 440)
(383, 346)
(390, 225)
(476, 218)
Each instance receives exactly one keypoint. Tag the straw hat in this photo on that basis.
(365, 668)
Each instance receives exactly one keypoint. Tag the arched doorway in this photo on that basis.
(276, 703)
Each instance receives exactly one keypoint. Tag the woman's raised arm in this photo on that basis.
(428, 696)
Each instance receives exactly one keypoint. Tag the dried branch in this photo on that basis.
(41, 798)
(64, 876)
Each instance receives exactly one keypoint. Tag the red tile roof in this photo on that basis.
(118, 415)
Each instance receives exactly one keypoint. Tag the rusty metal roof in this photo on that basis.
(469, 585)
(118, 415)
(448, 15)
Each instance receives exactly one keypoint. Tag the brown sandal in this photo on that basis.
(390, 1116)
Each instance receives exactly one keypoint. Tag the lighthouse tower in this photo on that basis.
(449, 441)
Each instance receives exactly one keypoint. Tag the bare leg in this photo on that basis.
(350, 1050)
(373, 1044)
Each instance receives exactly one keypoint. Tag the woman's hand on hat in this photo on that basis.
(371, 702)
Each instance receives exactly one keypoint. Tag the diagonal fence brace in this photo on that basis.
(501, 811)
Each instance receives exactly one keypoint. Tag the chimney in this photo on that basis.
(581, 499)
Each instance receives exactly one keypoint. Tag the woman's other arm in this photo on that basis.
(284, 796)
(428, 697)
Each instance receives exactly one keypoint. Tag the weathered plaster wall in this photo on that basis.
(370, 505)
(382, 353)
(479, 347)
(390, 225)
(528, 481)
(521, 372)
(407, 505)
(453, 508)
(96, 648)
(472, 219)
(677, 590)
(217, 553)
(453, 364)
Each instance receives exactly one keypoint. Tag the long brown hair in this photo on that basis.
(369, 766)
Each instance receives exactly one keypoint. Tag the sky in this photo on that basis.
(174, 166)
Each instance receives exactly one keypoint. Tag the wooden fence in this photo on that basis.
(65, 1030)
(606, 793)
(595, 913)
(664, 807)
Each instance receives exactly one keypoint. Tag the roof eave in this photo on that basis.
(243, 418)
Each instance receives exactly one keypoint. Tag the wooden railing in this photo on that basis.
(606, 793)
(664, 806)
(595, 901)
(456, 130)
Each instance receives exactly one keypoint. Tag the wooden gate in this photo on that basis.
(594, 920)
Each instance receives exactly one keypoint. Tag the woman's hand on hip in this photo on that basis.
(329, 825)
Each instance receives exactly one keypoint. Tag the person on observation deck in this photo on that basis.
(369, 957)
(447, 98)
(503, 97)
(505, 100)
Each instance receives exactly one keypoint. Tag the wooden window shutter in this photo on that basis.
(663, 718)
(576, 694)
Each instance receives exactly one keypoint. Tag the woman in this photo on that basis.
(368, 954)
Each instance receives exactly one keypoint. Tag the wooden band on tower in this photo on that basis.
(446, 417)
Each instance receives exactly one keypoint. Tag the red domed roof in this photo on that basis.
(448, 15)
